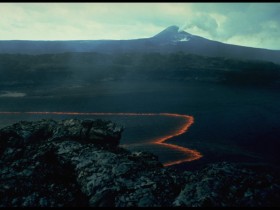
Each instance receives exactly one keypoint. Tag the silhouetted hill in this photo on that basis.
(169, 40)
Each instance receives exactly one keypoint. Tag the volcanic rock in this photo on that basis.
(75, 162)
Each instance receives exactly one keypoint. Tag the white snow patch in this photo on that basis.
(185, 39)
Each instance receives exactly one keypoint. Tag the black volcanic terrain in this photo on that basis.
(232, 92)
(78, 163)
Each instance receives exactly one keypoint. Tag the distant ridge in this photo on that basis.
(170, 40)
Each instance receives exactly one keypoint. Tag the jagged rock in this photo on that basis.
(225, 184)
(78, 163)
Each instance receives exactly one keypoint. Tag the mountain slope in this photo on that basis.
(169, 40)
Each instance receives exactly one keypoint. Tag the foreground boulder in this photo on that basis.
(79, 163)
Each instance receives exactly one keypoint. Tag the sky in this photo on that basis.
(247, 24)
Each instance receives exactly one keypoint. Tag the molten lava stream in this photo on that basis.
(188, 121)
(191, 154)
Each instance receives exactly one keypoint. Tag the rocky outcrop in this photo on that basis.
(225, 184)
(78, 163)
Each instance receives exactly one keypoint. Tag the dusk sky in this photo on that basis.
(248, 24)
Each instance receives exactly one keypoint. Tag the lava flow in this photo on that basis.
(192, 154)
(189, 120)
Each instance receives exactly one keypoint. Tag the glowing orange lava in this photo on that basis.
(189, 120)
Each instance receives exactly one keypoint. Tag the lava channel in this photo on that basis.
(189, 120)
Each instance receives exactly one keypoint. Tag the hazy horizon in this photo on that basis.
(246, 24)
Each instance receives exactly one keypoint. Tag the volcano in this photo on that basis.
(170, 40)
